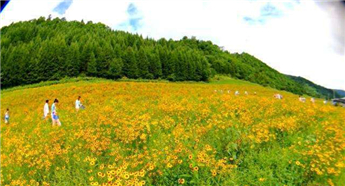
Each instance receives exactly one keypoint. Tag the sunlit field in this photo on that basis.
(142, 133)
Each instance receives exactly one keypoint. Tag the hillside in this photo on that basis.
(313, 89)
(163, 133)
(44, 49)
(340, 92)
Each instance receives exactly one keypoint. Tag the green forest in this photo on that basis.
(51, 49)
(316, 90)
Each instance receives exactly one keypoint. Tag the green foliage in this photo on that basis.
(155, 66)
(143, 65)
(46, 49)
(115, 68)
(130, 66)
(92, 65)
(313, 89)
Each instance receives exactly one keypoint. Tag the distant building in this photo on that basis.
(339, 101)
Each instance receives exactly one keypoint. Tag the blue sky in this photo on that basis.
(297, 37)
(63, 6)
(134, 16)
(267, 12)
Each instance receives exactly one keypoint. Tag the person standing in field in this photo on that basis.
(7, 116)
(46, 109)
(78, 104)
(278, 96)
(55, 117)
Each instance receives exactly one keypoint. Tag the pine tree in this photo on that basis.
(191, 59)
(73, 60)
(115, 68)
(92, 65)
(117, 51)
(155, 66)
(171, 66)
(181, 67)
(130, 68)
(167, 68)
(205, 69)
(143, 65)
(105, 55)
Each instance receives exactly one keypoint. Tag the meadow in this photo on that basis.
(161, 133)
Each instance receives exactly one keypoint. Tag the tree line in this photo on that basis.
(50, 49)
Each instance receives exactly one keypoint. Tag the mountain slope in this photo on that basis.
(44, 49)
(314, 89)
(340, 92)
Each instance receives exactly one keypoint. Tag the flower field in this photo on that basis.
(134, 133)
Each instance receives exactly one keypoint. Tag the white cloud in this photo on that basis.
(110, 13)
(23, 10)
(298, 42)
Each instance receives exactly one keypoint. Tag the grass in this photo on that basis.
(225, 80)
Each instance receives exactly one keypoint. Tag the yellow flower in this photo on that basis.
(214, 173)
(181, 181)
(262, 179)
(126, 176)
(191, 166)
(196, 168)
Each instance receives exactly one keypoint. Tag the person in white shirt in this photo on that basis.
(278, 96)
(77, 103)
(301, 99)
(7, 116)
(46, 109)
